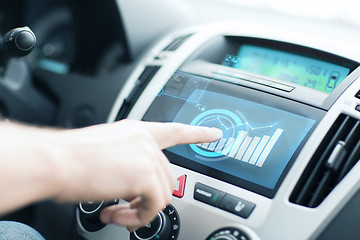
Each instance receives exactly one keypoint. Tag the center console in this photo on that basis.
(289, 111)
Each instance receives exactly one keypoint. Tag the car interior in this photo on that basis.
(280, 79)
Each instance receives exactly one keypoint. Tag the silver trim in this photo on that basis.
(159, 229)
(91, 212)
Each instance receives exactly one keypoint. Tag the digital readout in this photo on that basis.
(301, 70)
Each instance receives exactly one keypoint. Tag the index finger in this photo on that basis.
(171, 134)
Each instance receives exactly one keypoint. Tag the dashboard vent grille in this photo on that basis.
(337, 154)
(176, 43)
(143, 80)
(148, 73)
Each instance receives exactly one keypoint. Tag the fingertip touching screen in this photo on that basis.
(262, 134)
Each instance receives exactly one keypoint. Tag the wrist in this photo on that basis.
(29, 160)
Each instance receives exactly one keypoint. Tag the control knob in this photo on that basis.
(159, 228)
(89, 214)
(18, 42)
(228, 233)
(164, 226)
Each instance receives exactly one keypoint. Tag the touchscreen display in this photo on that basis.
(258, 140)
(302, 70)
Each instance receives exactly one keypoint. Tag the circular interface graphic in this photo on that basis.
(223, 119)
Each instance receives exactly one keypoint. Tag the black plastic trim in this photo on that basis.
(174, 45)
(336, 155)
(143, 80)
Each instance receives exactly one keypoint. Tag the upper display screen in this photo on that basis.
(258, 140)
(304, 71)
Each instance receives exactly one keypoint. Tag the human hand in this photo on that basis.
(124, 160)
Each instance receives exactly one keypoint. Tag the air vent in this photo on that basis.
(148, 73)
(337, 154)
(176, 43)
(143, 80)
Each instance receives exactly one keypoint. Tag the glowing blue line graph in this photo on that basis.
(236, 143)
(209, 116)
(243, 124)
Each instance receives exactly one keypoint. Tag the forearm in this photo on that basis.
(102, 162)
(29, 170)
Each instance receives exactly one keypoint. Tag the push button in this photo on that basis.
(208, 194)
(223, 200)
(236, 206)
(357, 95)
(180, 187)
(357, 108)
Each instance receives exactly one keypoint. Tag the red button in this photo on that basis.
(180, 187)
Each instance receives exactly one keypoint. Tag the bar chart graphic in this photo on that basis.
(225, 120)
(253, 150)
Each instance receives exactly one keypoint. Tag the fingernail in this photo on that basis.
(217, 132)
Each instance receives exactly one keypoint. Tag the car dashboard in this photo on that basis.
(285, 92)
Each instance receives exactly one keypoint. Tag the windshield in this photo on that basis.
(338, 12)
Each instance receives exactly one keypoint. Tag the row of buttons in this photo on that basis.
(216, 198)
(357, 95)
(223, 200)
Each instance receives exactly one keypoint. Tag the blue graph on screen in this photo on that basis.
(258, 140)
(240, 141)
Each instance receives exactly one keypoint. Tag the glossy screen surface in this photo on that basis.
(258, 140)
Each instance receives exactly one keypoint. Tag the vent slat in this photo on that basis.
(176, 43)
(305, 192)
(304, 195)
(148, 73)
(350, 141)
(353, 158)
(321, 190)
(336, 155)
(352, 135)
(143, 80)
